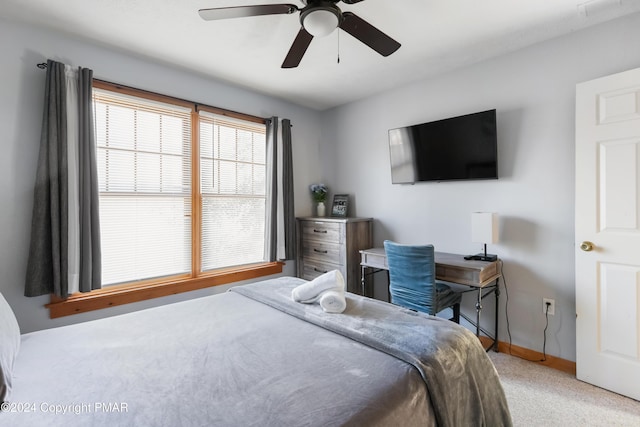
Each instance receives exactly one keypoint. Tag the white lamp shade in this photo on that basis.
(320, 23)
(484, 227)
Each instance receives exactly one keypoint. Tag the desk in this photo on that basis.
(481, 277)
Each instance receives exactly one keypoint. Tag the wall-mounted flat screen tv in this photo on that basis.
(457, 148)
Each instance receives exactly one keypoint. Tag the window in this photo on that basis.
(182, 198)
(233, 186)
(146, 189)
(144, 174)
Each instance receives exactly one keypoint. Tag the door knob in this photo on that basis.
(586, 246)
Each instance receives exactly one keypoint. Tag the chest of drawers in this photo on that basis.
(326, 244)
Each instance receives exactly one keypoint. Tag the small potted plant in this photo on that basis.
(319, 194)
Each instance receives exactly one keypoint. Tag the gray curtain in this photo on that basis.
(89, 212)
(285, 179)
(287, 189)
(47, 268)
(271, 223)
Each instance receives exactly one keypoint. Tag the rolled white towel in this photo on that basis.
(333, 301)
(310, 291)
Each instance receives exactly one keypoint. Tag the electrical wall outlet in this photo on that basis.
(552, 306)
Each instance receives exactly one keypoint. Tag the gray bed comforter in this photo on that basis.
(230, 360)
(463, 384)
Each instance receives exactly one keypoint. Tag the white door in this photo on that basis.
(608, 215)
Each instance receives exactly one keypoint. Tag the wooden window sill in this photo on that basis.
(111, 296)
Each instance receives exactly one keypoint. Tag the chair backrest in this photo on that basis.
(412, 275)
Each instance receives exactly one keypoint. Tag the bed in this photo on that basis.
(253, 357)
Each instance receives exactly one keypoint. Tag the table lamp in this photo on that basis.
(484, 229)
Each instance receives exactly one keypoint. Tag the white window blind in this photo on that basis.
(144, 175)
(233, 187)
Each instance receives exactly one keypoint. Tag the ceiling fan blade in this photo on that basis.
(298, 48)
(368, 34)
(246, 11)
(351, 1)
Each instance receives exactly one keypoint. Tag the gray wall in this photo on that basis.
(22, 92)
(533, 91)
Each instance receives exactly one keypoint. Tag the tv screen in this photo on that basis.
(457, 148)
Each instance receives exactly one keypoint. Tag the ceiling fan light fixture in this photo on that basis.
(318, 18)
(320, 22)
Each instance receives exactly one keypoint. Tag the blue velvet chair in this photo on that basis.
(412, 280)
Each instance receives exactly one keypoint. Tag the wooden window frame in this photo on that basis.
(126, 293)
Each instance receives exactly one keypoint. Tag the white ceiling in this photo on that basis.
(436, 36)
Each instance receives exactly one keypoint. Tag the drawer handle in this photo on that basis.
(319, 271)
(319, 231)
(319, 251)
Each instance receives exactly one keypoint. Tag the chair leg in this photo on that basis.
(456, 313)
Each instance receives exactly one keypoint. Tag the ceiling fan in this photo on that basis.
(318, 18)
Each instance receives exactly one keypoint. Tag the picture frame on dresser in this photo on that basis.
(340, 207)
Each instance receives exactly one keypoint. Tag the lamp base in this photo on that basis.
(482, 257)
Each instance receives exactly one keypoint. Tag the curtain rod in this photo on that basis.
(43, 66)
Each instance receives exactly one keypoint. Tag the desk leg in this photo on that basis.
(388, 287)
(478, 310)
(497, 291)
(362, 279)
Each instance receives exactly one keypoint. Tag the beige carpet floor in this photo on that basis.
(541, 396)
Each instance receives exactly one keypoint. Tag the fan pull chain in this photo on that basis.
(338, 45)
